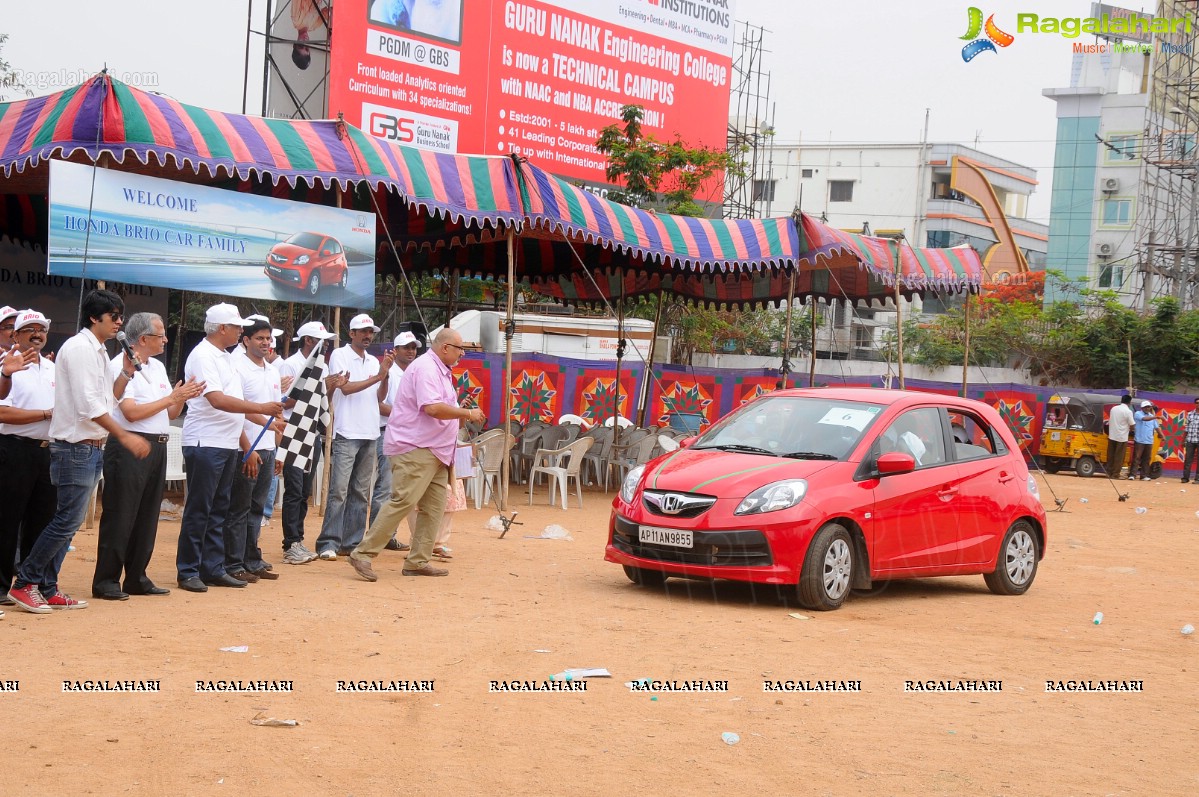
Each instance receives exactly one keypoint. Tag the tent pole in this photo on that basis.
(966, 356)
(619, 356)
(509, 331)
(786, 369)
(812, 359)
(649, 367)
(898, 318)
(326, 465)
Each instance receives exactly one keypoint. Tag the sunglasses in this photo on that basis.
(114, 316)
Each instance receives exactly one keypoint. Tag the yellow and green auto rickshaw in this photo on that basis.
(1074, 435)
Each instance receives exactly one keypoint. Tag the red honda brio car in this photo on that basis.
(832, 490)
(308, 260)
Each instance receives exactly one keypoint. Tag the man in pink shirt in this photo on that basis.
(420, 441)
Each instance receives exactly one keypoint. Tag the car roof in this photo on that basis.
(898, 398)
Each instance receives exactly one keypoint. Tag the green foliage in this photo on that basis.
(9, 81)
(646, 166)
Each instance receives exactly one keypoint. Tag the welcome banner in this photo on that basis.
(142, 230)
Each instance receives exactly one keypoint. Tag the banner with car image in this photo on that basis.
(140, 230)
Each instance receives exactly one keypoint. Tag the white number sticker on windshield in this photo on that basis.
(847, 416)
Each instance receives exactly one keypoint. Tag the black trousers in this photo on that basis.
(1115, 457)
(28, 500)
(1140, 459)
(129, 523)
(297, 489)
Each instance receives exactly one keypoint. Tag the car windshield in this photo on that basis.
(308, 240)
(793, 426)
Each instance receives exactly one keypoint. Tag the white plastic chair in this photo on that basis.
(491, 448)
(667, 443)
(621, 421)
(561, 464)
(176, 471)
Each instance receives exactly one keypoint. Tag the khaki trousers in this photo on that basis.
(418, 480)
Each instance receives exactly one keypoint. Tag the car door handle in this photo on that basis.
(1005, 478)
(947, 493)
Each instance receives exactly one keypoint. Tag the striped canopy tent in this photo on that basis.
(440, 199)
(836, 264)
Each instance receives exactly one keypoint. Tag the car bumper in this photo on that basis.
(288, 276)
(735, 554)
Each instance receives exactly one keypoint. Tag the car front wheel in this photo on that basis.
(643, 577)
(827, 569)
(345, 278)
(314, 283)
(1017, 564)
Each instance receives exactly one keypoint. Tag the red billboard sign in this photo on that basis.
(539, 78)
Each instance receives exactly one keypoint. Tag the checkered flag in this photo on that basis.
(309, 417)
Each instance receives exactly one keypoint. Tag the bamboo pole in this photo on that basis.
(619, 352)
(786, 369)
(509, 328)
(966, 356)
(898, 317)
(649, 366)
(812, 359)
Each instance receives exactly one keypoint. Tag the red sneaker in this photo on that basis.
(61, 600)
(29, 599)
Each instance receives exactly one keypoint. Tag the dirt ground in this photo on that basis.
(523, 608)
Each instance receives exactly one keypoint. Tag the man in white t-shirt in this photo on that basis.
(212, 432)
(260, 383)
(355, 407)
(406, 347)
(1119, 423)
(297, 484)
(27, 493)
(133, 487)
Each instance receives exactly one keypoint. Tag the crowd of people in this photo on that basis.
(69, 420)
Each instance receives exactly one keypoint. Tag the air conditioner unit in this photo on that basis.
(1110, 185)
(1104, 250)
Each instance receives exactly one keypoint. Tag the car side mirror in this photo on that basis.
(895, 462)
(326, 252)
(687, 441)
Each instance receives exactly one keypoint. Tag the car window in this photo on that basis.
(973, 437)
(307, 240)
(794, 426)
(333, 246)
(917, 432)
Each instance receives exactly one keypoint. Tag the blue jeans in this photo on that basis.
(202, 532)
(268, 509)
(75, 470)
(382, 489)
(352, 467)
(245, 515)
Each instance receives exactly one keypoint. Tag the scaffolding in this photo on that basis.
(748, 190)
(1167, 234)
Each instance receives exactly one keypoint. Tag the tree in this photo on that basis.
(9, 79)
(645, 166)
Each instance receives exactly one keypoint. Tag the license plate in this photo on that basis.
(675, 538)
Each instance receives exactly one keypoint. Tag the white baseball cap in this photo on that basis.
(406, 339)
(313, 329)
(1145, 404)
(363, 321)
(27, 317)
(225, 313)
(7, 312)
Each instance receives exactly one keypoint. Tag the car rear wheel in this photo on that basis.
(1085, 466)
(643, 577)
(314, 283)
(827, 569)
(1017, 564)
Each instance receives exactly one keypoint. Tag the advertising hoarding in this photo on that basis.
(298, 50)
(538, 78)
(149, 231)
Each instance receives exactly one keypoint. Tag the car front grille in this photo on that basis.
(740, 548)
(672, 504)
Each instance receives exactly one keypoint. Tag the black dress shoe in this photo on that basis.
(110, 595)
(192, 584)
(151, 591)
(224, 580)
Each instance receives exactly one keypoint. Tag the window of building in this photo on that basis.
(1117, 212)
(863, 337)
(840, 190)
(1111, 276)
(764, 190)
(806, 172)
(1122, 148)
(1179, 146)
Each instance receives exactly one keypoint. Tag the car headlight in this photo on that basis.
(773, 497)
(630, 484)
(1033, 489)
(301, 260)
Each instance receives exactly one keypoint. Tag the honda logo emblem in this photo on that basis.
(672, 504)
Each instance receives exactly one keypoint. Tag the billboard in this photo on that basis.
(539, 78)
(149, 231)
(298, 58)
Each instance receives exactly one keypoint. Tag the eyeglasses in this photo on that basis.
(6, 327)
(456, 346)
(154, 335)
(115, 316)
(30, 329)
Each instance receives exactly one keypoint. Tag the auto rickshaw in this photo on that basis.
(1074, 435)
